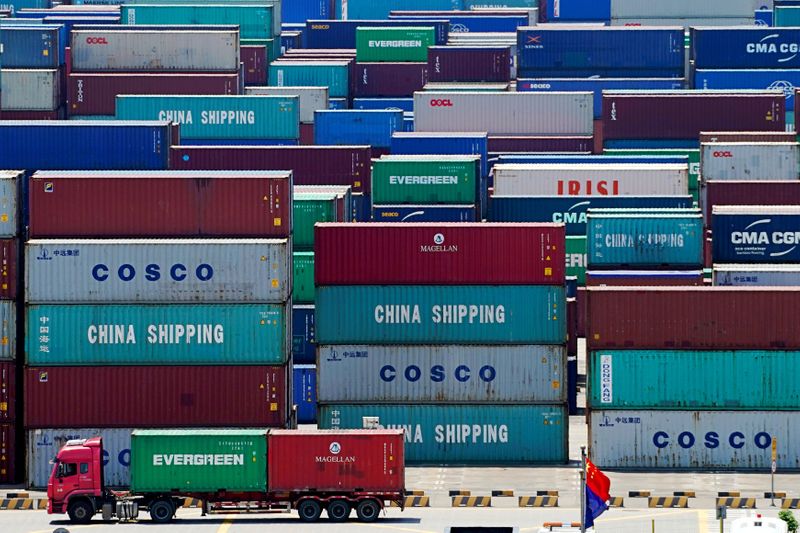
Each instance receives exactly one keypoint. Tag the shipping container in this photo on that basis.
(8, 454)
(303, 278)
(9, 276)
(504, 113)
(718, 318)
(688, 379)
(756, 234)
(30, 90)
(541, 144)
(389, 79)
(425, 213)
(750, 161)
(147, 271)
(255, 61)
(154, 49)
(451, 254)
(743, 275)
(8, 392)
(693, 155)
(335, 75)
(576, 258)
(441, 374)
(276, 7)
(471, 64)
(33, 47)
(304, 343)
(721, 9)
(117, 145)
(166, 396)
(644, 278)
(403, 104)
(693, 440)
(466, 434)
(193, 203)
(786, 15)
(470, 21)
(8, 333)
(311, 98)
(354, 127)
(303, 461)
(307, 210)
(436, 179)
(432, 143)
(342, 33)
(95, 93)
(729, 193)
(304, 389)
(438, 314)
(393, 45)
(254, 21)
(770, 79)
(744, 47)
(748, 136)
(682, 115)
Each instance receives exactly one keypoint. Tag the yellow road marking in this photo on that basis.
(225, 525)
(702, 521)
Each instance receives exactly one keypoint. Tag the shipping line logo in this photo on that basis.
(441, 103)
(96, 40)
(534, 42)
(44, 255)
(335, 449)
(782, 85)
(438, 246)
(396, 44)
(765, 238)
(767, 45)
(571, 216)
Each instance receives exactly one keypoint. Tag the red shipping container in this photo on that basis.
(306, 134)
(748, 136)
(310, 165)
(389, 79)
(160, 204)
(469, 64)
(8, 455)
(95, 93)
(541, 144)
(650, 278)
(697, 318)
(8, 269)
(720, 192)
(57, 114)
(581, 301)
(439, 254)
(8, 392)
(683, 115)
(156, 396)
(255, 63)
(336, 460)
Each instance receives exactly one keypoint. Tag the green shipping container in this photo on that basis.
(219, 117)
(576, 258)
(787, 16)
(307, 210)
(303, 278)
(255, 22)
(394, 45)
(435, 314)
(199, 460)
(335, 75)
(174, 334)
(692, 153)
(466, 434)
(414, 179)
(688, 379)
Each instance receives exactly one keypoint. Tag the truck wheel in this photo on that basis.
(309, 510)
(338, 510)
(368, 510)
(161, 511)
(80, 512)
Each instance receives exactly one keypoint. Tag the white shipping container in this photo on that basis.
(712, 9)
(311, 98)
(156, 50)
(8, 202)
(749, 161)
(757, 275)
(447, 374)
(505, 113)
(30, 90)
(143, 271)
(686, 22)
(592, 179)
(694, 440)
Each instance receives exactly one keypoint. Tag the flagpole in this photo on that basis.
(583, 489)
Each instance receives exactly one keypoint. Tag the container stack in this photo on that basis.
(143, 313)
(455, 332)
(391, 62)
(693, 378)
(311, 99)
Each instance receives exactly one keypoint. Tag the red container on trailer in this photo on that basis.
(721, 192)
(8, 455)
(310, 165)
(336, 460)
(693, 318)
(160, 204)
(439, 254)
(8, 392)
(541, 144)
(156, 396)
(469, 64)
(255, 62)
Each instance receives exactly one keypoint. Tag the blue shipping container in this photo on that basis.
(597, 85)
(342, 33)
(303, 10)
(475, 24)
(69, 21)
(337, 103)
(362, 207)
(745, 48)
(35, 46)
(428, 143)
(16, 5)
(772, 79)
(756, 235)
(290, 41)
(572, 211)
(105, 145)
(304, 344)
(764, 17)
(403, 104)
(355, 127)
(603, 51)
(466, 434)
(379, 9)
(304, 390)
(424, 213)
(576, 10)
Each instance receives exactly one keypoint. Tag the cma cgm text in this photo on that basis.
(763, 237)
(441, 314)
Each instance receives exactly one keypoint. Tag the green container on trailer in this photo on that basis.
(218, 117)
(303, 278)
(420, 179)
(199, 460)
(254, 21)
(692, 153)
(307, 210)
(576, 258)
(395, 45)
(749, 380)
(335, 75)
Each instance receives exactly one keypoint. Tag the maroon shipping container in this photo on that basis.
(649, 278)
(310, 165)
(389, 79)
(56, 114)
(598, 137)
(439, 254)
(336, 460)
(8, 269)
(95, 94)
(8, 392)
(701, 318)
(541, 144)
(160, 204)
(581, 300)
(683, 115)
(747, 136)
(255, 63)
(156, 396)
(719, 192)
(469, 64)
(8, 455)
(306, 134)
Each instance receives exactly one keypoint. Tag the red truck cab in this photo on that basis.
(76, 481)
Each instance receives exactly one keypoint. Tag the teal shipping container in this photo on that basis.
(218, 117)
(465, 434)
(435, 314)
(678, 379)
(619, 238)
(240, 334)
(335, 75)
(254, 21)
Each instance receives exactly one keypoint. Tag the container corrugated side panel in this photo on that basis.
(9, 452)
(276, 7)
(8, 328)
(334, 75)
(304, 335)
(443, 374)
(785, 79)
(451, 180)
(435, 314)
(30, 90)
(304, 391)
(720, 9)
(239, 334)
(303, 277)
(690, 379)
(33, 47)
(355, 127)
(10, 182)
(747, 162)
(755, 235)
(730, 47)
(693, 440)
(466, 434)
(757, 275)
(255, 22)
(725, 192)
(8, 392)
(311, 98)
